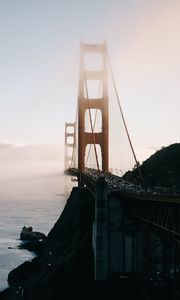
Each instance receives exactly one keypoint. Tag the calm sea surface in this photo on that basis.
(35, 201)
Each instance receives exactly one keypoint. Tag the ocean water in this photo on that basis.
(36, 201)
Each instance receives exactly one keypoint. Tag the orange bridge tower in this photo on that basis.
(86, 103)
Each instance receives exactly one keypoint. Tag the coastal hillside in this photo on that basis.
(64, 268)
(161, 169)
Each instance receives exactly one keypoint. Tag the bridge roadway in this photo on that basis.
(127, 189)
(156, 207)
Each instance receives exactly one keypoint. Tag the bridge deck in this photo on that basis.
(124, 188)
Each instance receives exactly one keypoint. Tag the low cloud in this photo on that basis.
(18, 151)
(5, 145)
(27, 161)
(8, 144)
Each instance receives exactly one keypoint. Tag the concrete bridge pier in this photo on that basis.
(125, 239)
(101, 232)
(117, 240)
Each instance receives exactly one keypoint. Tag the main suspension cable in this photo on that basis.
(89, 150)
(91, 123)
(123, 118)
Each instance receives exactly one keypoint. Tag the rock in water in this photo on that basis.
(28, 234)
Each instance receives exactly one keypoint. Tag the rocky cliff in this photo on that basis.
(65, 264)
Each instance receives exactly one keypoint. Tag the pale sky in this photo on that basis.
(39, 60)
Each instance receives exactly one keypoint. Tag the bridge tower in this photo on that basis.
(69, 143)
(86, 103)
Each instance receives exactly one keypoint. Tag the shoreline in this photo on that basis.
(68, 247)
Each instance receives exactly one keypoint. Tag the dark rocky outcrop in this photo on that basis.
(65, 264)
(161, 169)
(28, 234)
(32, 240)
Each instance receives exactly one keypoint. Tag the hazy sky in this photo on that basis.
(39, 57)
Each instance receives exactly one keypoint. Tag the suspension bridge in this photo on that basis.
(135, 231)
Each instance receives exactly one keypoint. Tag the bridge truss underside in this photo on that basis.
(158, 224)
